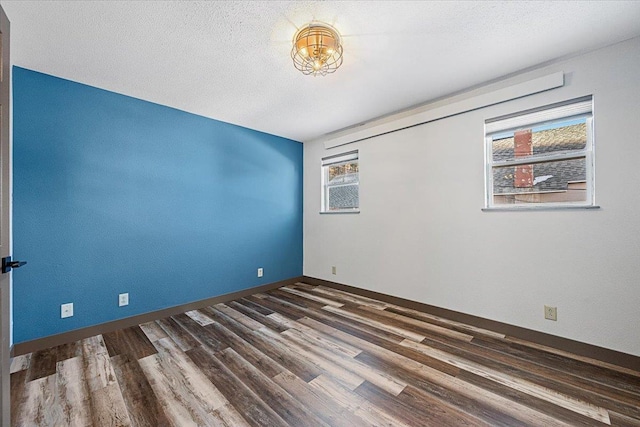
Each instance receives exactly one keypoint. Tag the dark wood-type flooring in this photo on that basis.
(314, 356)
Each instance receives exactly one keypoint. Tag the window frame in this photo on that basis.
(337, 159)
(528, 119)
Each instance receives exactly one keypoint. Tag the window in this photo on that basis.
(541, 158)
(340, 183)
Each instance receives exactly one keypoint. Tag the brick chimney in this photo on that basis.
(523, 178)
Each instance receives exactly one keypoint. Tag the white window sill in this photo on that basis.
(340, 212)
(538, 208)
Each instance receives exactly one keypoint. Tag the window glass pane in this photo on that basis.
(560, 136)
(343, 197)
(548, 182)
(342, 186)
(343, 173)
(341, 182)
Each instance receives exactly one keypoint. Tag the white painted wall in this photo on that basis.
(421, 233)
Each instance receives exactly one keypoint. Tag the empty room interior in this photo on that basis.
(306, 213)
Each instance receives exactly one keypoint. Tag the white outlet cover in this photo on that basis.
(260, 272)
(66, 310)
(551, 313)
(123, 299)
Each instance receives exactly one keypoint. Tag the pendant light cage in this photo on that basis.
(317, 49)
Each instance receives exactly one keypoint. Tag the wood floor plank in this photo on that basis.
(299, 366)
(153, 331)
(355, 299)
(321, 300)
(143, 407)
(246, 402)
(261, 361)
(57, 399)
(289, 310)
(185, 392)
(304, 352)
(18, 396)
(564, 383)
(97, 368)
(199, 317)
(525, 386)
(228, 416)
(108, 408)
(383, 380)
(339, 298)
(43, 364)
(418, 324)
(437, 411)
(445, 385)
(67, 351)
(20, 363)
(239, 317)
(576, 367)
(619, 420)
(359, 406)
(425, 412)
(264, 320)
(336, 319)
(419, 380)
(129, 341)
(270, 392)
(440, 321)
(107, 403)
(573, 356)
(323, 340)
(306, 355)
(591, 391)
(72, 392)
(294, 299)
(203, 335)
(543, 406)
(386, 350)
(404, 332)
(260, 309)
(40, 407)
(318, 402)
(178, 334)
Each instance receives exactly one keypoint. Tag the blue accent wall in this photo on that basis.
(114, 194)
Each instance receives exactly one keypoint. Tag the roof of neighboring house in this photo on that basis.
(343, 197)
(343, 194)
(348, 178)
(551, 176)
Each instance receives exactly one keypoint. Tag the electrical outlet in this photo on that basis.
(551, 313)
(333, 269)
(260, 272)
(66, 310)
(123, 299)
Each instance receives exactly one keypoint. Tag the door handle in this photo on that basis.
(7, 264)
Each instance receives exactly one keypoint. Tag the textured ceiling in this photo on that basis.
(231, 60)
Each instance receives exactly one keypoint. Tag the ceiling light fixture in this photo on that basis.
(317, 49)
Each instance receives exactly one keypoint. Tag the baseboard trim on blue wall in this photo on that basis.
(578, 348)
(90, 331)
